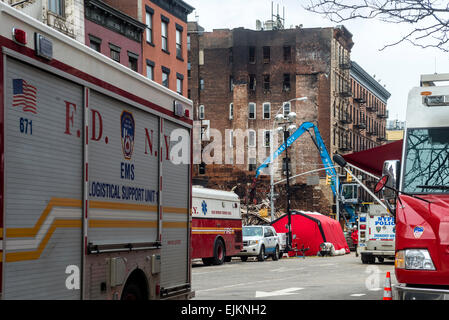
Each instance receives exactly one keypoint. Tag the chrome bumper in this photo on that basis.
(401, 292)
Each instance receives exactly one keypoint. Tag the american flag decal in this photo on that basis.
(24, 95)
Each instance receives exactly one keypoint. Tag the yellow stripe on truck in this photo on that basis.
(121, 206)
(32, 232)
(33, 255)
(122, 224)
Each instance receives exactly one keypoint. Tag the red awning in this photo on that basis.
(372, 160)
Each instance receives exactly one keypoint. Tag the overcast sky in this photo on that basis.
(398, 68)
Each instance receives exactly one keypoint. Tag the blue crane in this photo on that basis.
(324, 155)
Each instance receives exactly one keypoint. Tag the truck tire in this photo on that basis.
(228, 259)
(219, 253)
(244, 258)
(364, 258)
(207, 261)
(261, 256)
(132, 292)
(380, 259)
(276, 254)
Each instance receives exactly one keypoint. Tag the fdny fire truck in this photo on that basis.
(94, 203)
(216, 225)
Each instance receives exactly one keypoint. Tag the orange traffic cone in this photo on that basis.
(387, 288)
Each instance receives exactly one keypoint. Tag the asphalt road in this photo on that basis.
(310, 278)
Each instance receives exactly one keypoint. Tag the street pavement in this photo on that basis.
(310, 278)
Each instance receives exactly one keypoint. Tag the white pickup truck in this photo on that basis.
(260, 241)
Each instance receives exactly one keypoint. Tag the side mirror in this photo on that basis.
(381, 184)
(389, 184)
(391, 169)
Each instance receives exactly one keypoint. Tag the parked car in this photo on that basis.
(261, 242)
(282, 244)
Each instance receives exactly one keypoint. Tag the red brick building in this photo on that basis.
(164, 43)
(114, 34)
(239, 79)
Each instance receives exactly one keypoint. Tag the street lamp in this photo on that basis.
(286, 126)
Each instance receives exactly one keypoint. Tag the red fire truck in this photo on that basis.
(420, 197)
(94, 203)
(216, 225)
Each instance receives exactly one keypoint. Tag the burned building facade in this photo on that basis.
(240, 79)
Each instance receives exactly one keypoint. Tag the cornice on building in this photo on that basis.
(361, 76)
(178, 8)
(128, 22)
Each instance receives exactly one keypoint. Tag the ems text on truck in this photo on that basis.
(417, 191)
(95, 204)
(216, 225)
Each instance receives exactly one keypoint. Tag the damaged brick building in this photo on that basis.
(240, 79)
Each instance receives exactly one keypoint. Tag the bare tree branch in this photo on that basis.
(432, 16)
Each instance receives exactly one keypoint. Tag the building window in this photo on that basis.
(266, 110)
(149, 22)
(286, 108)
(252, 164)
(165, 76)
(286, 82)
(56, 6)
(231, 111)
(252, 110)
(201, 112)
(189, 70)
(231, 83)
(252, 55)
(95, 43)
(266, 54)
(150, 69)
(201, 84)
(133, 61)
(252, 82)
(231, 138)
(251, 138)
(267, 138)
(188, 42)
(179, 41)
(179, 86)
(164, 35)
(179, 81)
(287, 53)
(266, 82)
(115, 52)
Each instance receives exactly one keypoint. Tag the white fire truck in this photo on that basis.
(94, 203)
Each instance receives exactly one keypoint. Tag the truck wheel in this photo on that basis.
(207, 261)
(364, 258)
(244, 258)
(371, 259)
(261, 256)
(132, 292)
(380, 259)
(276, 254)
(219, 253)
(228, 259)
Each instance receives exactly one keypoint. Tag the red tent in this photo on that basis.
(372, 160)
(311, 230)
